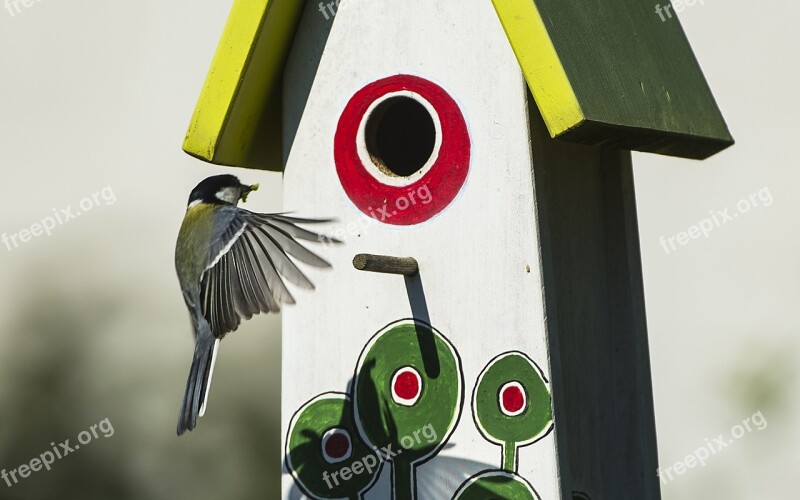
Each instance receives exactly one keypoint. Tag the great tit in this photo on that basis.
(231, 264)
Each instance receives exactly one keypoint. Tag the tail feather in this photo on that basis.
(207, 385)
(196, 396)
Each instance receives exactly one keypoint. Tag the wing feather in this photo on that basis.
(281, 260)
(270, 285)
(269, 271)
(287, 225)
(230, 320)
(247, 301)
(293, 248)
(249, 263)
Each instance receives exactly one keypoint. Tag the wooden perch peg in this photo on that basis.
(406, 266)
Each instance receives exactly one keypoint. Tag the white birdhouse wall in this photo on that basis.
(412, 130)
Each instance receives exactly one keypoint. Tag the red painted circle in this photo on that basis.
(406, 385)
(337, 445)
(446, 176)
(513, 399)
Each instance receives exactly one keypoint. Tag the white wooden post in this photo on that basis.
(479, 260)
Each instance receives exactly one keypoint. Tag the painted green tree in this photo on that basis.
(405, 402)
(408, 394)
(512, 407)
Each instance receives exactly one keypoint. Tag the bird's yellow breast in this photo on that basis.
(192, 247)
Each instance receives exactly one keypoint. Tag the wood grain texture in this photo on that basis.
(480, 281)
(539, 60)
(406, 266)
(634, 77)
(596, 318)
(237, 120)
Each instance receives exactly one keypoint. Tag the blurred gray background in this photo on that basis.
(98, 94)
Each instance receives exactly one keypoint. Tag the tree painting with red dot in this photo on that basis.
(512, 407)
(322, 442)
(408, 394)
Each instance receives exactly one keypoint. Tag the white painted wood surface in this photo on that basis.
(479, 260)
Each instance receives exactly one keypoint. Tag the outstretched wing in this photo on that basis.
(249, 264)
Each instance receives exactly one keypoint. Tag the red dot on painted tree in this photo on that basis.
(513, 399)
(406, 385)
(337, 446)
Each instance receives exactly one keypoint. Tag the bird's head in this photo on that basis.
(220, 190)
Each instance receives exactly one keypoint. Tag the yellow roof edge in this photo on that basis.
(541, 66)
(224, 78)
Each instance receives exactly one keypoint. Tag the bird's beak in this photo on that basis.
(246, 190)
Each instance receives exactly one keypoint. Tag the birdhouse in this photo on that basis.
(482, 333)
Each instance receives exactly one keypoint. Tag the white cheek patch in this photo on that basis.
(228, 195)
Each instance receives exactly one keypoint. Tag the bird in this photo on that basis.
(231, 265)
